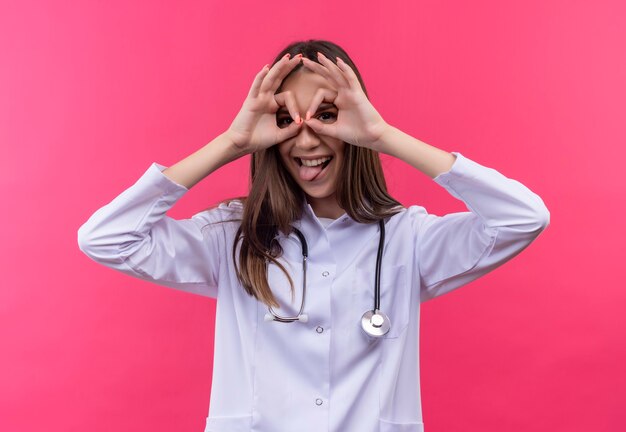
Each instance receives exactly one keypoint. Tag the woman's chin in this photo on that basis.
(320, 196)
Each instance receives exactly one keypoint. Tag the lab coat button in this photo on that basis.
(319, 329)
(318, 401)
(325, 274)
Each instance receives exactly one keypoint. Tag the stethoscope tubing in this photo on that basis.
(374, 322)
(301, 316)
(379, 259)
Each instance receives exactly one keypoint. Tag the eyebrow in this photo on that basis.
(321, 107)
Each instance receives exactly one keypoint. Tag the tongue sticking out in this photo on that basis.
(309, 173)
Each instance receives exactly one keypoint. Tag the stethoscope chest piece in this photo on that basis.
(375, 323)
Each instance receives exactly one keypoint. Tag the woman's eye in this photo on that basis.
(327, 116)
(283, 121)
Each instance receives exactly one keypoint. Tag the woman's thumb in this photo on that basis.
(289, 131)
(320, 128)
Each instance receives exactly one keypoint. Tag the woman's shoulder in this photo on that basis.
(411, 211)
(415, 211)
(229, 211)
(413, 216)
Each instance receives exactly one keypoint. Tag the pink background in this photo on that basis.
(93, 92)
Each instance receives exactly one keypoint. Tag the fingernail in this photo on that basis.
(319, 54)
(298, 119)
(308, 115)
(287, 55)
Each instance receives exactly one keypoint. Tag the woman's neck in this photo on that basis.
(325, 207)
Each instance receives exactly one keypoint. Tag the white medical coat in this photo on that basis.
(325, 374)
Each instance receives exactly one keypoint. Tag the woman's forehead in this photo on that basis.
(305, 81)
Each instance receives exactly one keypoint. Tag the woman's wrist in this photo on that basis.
(233, 149)
(385, 135)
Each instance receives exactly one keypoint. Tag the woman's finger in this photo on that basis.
(333, 69)
(322, 128)
(317, 68)
(320, 96)
(349, 74)
(288, 132)
(287, 99)
(314, 66)
(278, 72)
(258, 79)
(273, 73)
(284, 71)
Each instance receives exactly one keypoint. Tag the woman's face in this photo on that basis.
(312, 160)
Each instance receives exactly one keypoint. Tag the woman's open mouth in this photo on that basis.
(311, 168)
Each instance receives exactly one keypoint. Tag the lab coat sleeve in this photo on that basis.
(132, 234)
(504, 218)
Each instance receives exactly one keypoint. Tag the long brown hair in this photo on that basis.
(275, 199)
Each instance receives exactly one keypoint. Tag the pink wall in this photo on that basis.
(92, 93)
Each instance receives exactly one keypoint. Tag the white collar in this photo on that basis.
(309, 215)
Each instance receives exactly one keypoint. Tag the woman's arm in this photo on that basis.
(426, 158)
(504, 218)
(134, 235)
(453, 250)
(203, 162)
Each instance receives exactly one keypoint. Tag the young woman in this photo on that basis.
(319, 273)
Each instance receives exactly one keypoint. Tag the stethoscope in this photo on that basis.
(373, 322)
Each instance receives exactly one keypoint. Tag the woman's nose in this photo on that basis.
(307, 138)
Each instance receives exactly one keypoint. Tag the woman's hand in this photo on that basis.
(357, 122)
(254, 128)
